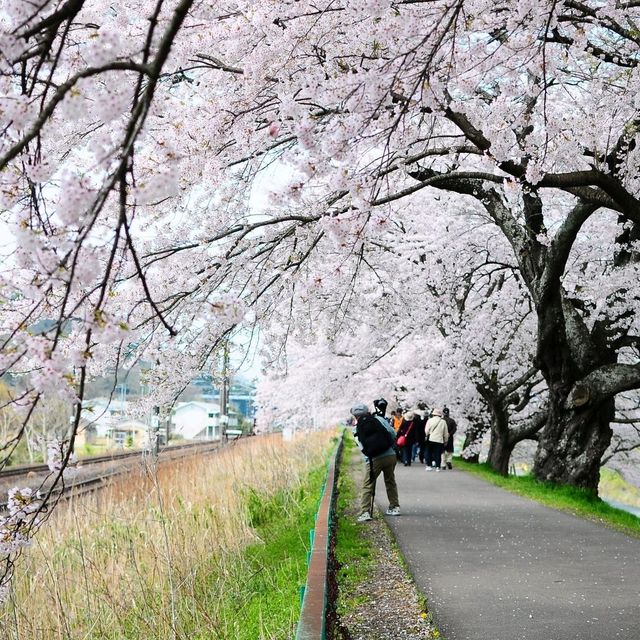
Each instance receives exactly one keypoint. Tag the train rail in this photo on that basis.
(27, 469)
(96, 482)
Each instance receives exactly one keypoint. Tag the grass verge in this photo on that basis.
(570, 499)
(257, 596)
(352, 551)
(207, 549)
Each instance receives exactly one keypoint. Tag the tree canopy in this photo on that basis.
(428, 196)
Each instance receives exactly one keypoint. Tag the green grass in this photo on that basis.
(200, 551)
(352, 551)
(565, 498)
(254, 593)
(261, 596)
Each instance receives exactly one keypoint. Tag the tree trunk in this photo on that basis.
(499, 447)
(573, 442)
(500, 452)
(577, 430)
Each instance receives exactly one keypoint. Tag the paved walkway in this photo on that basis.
(496, 566)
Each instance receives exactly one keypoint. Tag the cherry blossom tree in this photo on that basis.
(505, 106)
(134, 133)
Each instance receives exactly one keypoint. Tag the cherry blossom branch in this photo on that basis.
(57, 97)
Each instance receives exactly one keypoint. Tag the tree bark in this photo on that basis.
(573, 442)
(500, 451)
(500, 447)
(504, 438)
(581, 403)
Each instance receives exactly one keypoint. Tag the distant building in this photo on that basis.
(101, 415)
(107, 419)
(241, 397)
(130, 433)
(196, 421)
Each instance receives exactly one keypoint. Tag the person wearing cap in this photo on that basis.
(437, 434)
(383, 462)
(452, 427)
(380, 405)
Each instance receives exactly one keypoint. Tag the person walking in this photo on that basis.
(396, 423)
(396, 419)
(452, 427)
(407, 437)
(421, 421)
(376, 438)
(437, 435)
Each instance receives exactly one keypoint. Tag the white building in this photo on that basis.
(196, 421)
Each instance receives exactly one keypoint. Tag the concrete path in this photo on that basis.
(496, 566)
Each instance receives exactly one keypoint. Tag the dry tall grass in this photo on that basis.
(153, 550)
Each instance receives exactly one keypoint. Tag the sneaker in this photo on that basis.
(393, 512)
(449, 465)
(428, 468)
(437, 468)
(365, 517)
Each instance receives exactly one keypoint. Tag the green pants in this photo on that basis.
(385, 465)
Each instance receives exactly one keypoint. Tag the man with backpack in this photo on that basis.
(376, 438)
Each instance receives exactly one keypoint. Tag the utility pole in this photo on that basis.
(154, 433)
(224, 391)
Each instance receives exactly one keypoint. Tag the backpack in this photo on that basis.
(373, 436)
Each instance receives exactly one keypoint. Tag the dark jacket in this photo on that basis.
(408, 429)
(452, 427)
(420, 424)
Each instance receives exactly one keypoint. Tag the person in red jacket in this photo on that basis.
(407, 431)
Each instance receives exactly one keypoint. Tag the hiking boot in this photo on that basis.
(393, 512)
(365, 517)
(449, 465)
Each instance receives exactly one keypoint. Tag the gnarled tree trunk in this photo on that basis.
(500, 452)
(583, 378)
(500, 447)
(574, 441)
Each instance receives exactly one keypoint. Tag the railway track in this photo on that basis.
(89, 484)
(27, 469)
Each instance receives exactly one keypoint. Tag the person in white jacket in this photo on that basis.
(436, 434)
